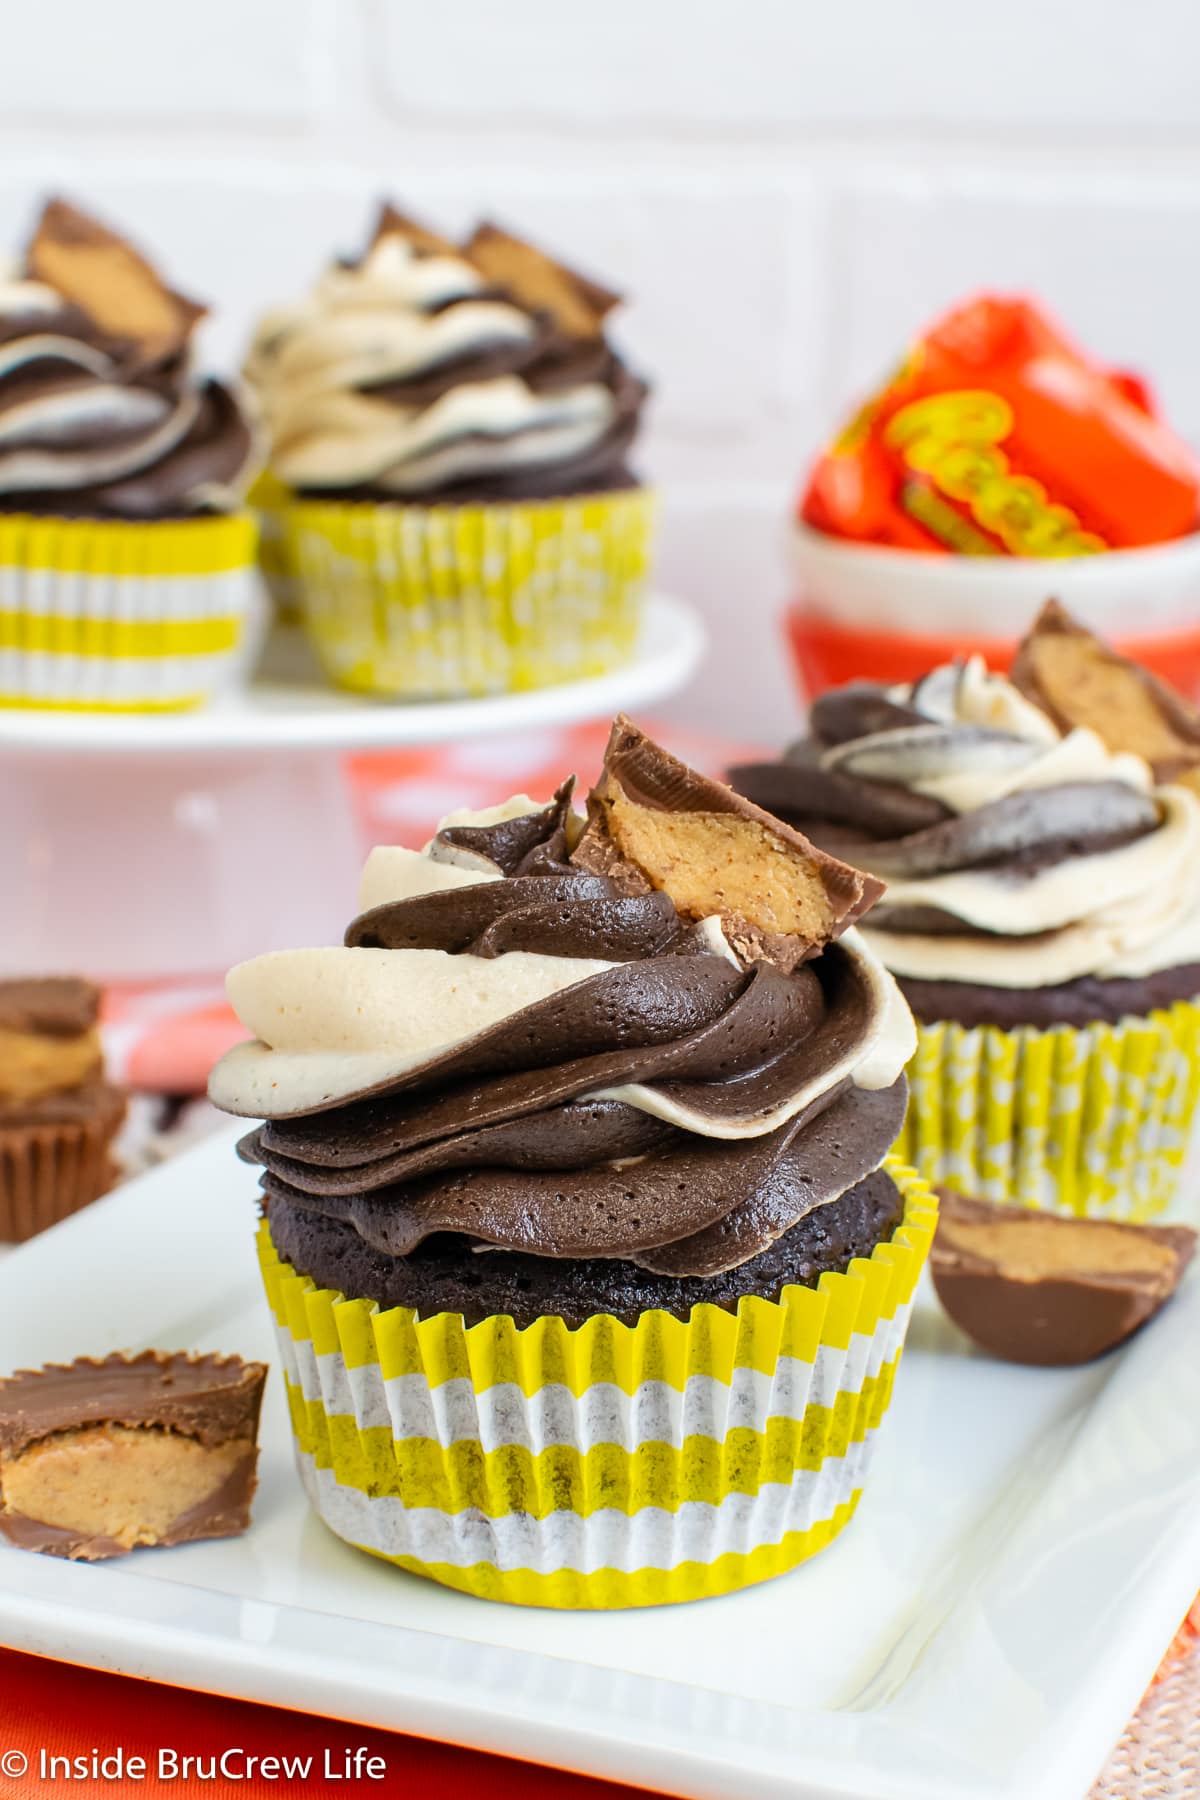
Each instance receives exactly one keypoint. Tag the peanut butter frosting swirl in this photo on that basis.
(100, 411)
(1016, 855)
(431, 370)
(516, 1050)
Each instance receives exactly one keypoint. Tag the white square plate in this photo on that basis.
(1028, 1542)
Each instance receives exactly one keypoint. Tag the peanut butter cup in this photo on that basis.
(99, 1457)
(58, 1115)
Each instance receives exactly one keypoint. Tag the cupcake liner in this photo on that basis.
(434, 601)
(607, 1466)
(269, 499)
(1092, 1120)
(107, 615)
(48, 1172)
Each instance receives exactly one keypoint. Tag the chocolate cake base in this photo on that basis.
(1087, 1001)
(447, 1274)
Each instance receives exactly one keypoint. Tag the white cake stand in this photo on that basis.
(138, 846)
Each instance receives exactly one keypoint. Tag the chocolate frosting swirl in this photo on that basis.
(675, 1109)
(1016, 855)
(100, 413)
(433, 371)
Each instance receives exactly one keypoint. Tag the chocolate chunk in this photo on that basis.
(653, 823)
(97, 1457)
(1032, 1287)
(107, 279)
(1079, 680)
(53, 1005)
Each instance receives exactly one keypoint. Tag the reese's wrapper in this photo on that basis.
(999, 436)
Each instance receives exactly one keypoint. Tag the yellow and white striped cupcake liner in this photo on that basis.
(418, 602)
(607, 1466)
(116, 616)
(1093, 1120)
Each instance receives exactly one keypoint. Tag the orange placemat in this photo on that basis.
(54, 1709)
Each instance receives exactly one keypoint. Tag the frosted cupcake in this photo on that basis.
(454, 430)
(1042, 915)
(127, 576)
(590, 1264)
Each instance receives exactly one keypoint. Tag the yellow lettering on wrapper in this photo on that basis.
(953, 440)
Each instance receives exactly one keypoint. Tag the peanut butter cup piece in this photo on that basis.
(654, 824)
(394, 223)
(98, 1457)
(577, 305)
(106, 278)
(50, 1005)
(1033, 1287)
(1079, 680)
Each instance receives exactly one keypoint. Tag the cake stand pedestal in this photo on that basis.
(137, 847)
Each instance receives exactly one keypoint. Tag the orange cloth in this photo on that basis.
(72, 1712)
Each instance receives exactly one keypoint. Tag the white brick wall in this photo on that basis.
(786, 189)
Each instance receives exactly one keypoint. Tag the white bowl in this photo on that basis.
(1124, 594)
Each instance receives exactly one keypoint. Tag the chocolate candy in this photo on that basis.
(111, 284)
(653, 823)
(1076, 678)
(1033, 1287)
(97, 1457)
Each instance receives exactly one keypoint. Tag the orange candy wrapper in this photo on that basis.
(1000, 437)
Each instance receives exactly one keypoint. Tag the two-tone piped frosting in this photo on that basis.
(1017, 856)
(430, 370)
(652, 1039)
(100, 410)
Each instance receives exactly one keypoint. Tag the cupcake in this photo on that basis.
(450, 430)
(58, 1115)
(1042, 915)
(590, 1263)
(127, 579)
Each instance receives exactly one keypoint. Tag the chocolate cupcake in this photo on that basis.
(58, 1115)
(1042, 916)
(589, 1261)
(451, 502)
(126, 567)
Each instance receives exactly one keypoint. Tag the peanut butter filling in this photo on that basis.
(127, 1483)
(1036, 1247)
(1089, 687)
(1081, 681)
(34, 1063)
(721, 863)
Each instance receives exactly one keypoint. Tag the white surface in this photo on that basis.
(1134, 592)
(1027, 1545)
(157, 846)
(786, 190)
(274, 716)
